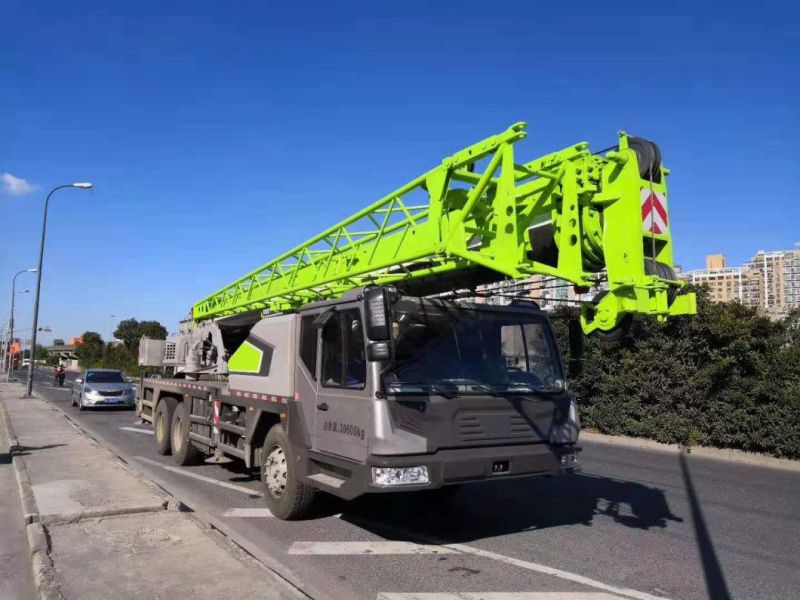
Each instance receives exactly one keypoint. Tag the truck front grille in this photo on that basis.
(494, 427)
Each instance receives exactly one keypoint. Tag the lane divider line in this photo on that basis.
(376, 548)
(248, 513)
(137, 430)
(185, 473)
(497, 596)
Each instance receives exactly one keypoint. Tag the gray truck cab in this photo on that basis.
(395, 392)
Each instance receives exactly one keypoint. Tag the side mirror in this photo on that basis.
(575, 348)
(79, 381)
(376, 309)
(323, 318)
(379, 351)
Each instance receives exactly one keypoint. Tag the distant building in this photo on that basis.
(769, 282)
(726, 284)
(779, 272)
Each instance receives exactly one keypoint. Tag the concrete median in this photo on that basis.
(87, 513)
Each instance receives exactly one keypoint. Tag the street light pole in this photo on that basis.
(11, 328)
(84, 186)
(11, 318)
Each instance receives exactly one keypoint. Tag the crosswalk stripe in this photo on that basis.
(498, 596)
(248, 513)
(185, 473)
(369, 548)
(137, 430)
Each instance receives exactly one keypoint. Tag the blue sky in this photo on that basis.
(219, 134)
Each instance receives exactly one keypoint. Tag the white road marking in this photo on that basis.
(257, 513)
(498, 596)
(184, 472)
(388, 548)
(338, 548)
(248, 513)
(531, 566)
(137, 430)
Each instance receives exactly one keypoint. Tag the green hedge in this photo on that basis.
(726, 378)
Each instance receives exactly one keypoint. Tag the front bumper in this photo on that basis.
(463, 465)
(109, 400)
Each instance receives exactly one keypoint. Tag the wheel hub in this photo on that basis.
(275, 471)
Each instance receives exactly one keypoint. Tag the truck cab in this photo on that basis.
(396, 392)
(373, 392)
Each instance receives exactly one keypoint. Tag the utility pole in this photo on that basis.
(83, 186)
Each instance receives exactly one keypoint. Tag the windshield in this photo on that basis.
(104, 377)
(443, 346)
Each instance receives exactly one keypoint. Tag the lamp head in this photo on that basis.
(83, 185)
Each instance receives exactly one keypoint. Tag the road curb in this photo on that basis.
(30, 512)
(13, 442)
(723, 454)
(44, 571)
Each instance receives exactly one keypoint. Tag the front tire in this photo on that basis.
(287, 498)
(80, 402)
(162, 425)
(183, 449)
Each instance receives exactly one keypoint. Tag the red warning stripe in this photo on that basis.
(255, 396)
(654, 212)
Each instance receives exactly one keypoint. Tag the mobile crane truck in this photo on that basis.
(351, 364)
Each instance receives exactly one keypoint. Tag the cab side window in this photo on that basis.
(343, 358)
(332, 353)
(308, 344)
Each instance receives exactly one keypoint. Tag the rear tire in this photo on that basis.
(183, 449)
(162, 425)
(286, 497)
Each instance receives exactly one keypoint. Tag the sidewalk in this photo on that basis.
(16, 579)
(97, 530)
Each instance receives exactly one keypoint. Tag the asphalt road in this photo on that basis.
(633, 524)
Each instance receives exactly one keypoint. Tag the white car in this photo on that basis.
(102, 387)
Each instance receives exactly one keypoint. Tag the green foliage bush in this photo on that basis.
(726, 377)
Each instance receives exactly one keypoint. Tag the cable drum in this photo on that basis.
(648, 156)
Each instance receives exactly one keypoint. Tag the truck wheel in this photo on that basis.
(162, 425)
(622, 329)
(183, 449)
(287, 498)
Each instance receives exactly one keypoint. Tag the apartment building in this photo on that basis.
(770, 281)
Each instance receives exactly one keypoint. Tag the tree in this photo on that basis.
(117, 356)
(90, 350)
(130, 331)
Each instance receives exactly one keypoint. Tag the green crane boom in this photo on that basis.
(483, 216)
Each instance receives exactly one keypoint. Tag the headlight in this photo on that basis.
(569, 462)
(87, 390)
(391, 476)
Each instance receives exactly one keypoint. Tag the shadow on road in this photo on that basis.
(715, 579)
(27, 450)
(502, 507)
